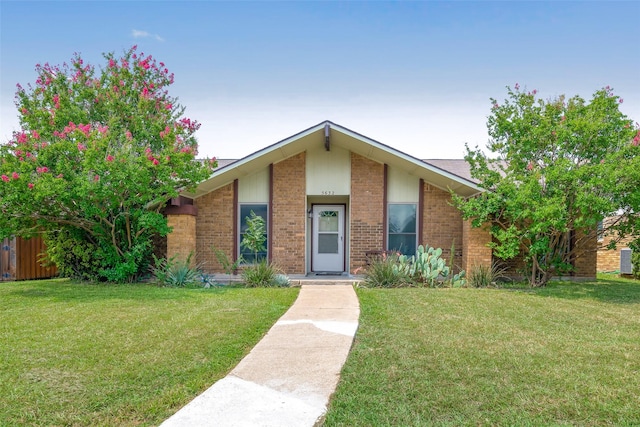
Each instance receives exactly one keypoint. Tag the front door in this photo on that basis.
(328, 238)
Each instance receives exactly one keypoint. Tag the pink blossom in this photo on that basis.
(28, 154)
(517, 86)
(5, 178)
(168, 106)
(15, 175)
(59, 176)
(56, 101)
(530, 166)
(620, 101)
(128, 135)
(35, 134)
(42, 169)
(534, 91)
(103, 129)
(109, 158)
(156, 162)
(150, 158)
(22, 138)
(30, 185)
(96, 178)
(81, 147)
(112, 63)
(147, 150)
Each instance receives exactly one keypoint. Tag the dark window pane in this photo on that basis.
(403, 243)
(245, 211)
(328, 243)
(402, 218)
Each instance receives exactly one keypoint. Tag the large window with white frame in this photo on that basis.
(261, 210)
(402, 228)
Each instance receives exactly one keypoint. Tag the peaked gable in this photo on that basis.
(330, 134)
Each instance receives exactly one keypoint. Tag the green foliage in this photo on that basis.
(386, 272)
(176, 273)
(557, 168)
(425, 268)
(98, 154)
(254, 239)
(635, 257)
(262, 274)
(481, 276)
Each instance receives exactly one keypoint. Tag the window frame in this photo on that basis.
(241, 234)
(414, 233)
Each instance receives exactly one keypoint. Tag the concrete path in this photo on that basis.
(288, 377)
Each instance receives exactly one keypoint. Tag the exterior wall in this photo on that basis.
(586, 264)
(288, 214)
(474, 247)
(214, 227)
(442, 224)
(182, 240)
(328, 173)
(367, 209)
(609, 260)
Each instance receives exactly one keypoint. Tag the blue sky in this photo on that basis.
(413, 75)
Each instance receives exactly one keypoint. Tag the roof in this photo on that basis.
(445, 174)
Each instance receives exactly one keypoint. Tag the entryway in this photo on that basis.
(328, 242)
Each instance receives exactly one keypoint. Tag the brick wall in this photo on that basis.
(474, 250)
(214, 227)
(182, 240)
(367, 209)
(586, 264)
(441, 223)
(609, 260)
(289, 213)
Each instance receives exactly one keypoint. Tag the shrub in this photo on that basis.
(386, 272)
(262, 274)
(175, 273)
(481, 276)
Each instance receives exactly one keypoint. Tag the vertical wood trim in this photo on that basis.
(236, 234)
(420, 211)
(270, 215)
(384, 206)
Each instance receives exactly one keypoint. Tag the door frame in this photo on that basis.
(344, 236)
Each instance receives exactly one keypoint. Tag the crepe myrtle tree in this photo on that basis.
(98, 154)
(556, 168)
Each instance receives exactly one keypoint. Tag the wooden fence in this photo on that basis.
(20, 260)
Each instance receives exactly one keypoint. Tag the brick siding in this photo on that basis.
(182, 240)
(367, 209)
(475, 251)
(442, 223)
(289, 207)
(214, 227)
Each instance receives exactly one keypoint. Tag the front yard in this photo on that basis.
(565, 355)
(80, 355)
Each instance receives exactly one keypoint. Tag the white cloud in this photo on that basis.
(144, 34)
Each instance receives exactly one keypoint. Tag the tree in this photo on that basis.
(557, 168)
(98, 154)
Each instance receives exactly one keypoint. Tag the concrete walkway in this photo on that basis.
(288, 377)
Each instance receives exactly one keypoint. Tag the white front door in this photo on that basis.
(328, 238)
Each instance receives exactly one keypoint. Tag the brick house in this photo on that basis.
(330, 197)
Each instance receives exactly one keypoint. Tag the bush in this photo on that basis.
(386, 272)
(176, 274)
(263, 274)
(482, 276)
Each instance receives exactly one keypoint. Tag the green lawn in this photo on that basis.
(565, 355)
(78, 355)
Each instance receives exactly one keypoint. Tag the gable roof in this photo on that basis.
(432, 173)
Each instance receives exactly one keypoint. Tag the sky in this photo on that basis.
(417, 75)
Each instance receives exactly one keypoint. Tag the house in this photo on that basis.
(331, 199)
(609, 259)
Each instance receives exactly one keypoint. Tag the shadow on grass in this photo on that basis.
(67, 290)
(611, 290)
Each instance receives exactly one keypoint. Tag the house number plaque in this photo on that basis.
(327, 192)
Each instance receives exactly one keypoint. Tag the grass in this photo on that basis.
(79, 354)
(568, 354)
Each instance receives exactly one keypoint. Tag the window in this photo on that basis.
(402, 228)
(261, 210)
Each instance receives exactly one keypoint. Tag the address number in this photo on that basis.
(327, 193)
